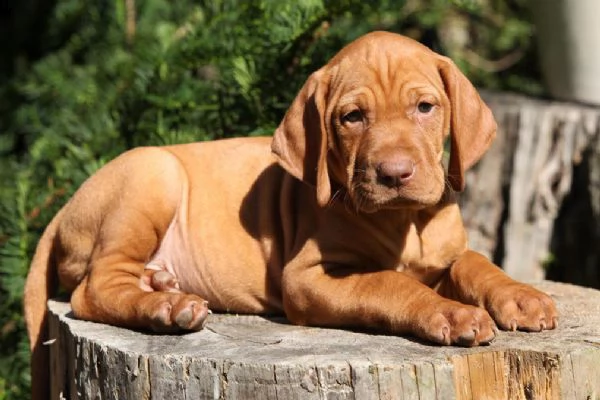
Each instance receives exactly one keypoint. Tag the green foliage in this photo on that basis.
(492, 41)
(80, 82)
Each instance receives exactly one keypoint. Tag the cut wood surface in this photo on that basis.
(250, 357)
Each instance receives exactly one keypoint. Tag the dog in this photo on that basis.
(345, 218)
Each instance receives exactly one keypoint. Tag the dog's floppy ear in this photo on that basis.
(472, 125)
(300, 142)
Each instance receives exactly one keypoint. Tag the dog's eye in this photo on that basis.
(352, 117)
(424, 107)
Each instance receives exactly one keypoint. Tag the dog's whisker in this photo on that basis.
(334, 197)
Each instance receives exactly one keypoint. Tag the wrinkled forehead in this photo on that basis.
(386, 60)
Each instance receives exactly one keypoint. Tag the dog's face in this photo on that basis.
(389, 119)
(374, 121)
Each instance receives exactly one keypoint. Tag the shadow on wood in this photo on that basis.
(249, 357)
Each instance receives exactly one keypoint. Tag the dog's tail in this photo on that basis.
(39, 287)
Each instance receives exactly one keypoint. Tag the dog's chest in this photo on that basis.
(433, 245)
(420, 245)
(426, 253)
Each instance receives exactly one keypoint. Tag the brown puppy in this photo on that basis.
(350, 222)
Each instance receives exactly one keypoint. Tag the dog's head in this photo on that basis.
(374, 121)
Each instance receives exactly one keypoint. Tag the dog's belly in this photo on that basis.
(231, 271)
(223, 243)
(233, 276)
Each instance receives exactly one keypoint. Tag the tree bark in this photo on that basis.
(533, 201)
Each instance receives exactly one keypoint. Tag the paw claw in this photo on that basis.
(521, 307)
(460, 324)
(179, 312)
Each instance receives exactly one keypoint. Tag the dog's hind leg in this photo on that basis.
(124, 213)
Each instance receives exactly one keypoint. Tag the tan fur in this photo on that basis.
(350, 222)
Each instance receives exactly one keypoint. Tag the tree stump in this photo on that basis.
(250, 357)
(533, 201)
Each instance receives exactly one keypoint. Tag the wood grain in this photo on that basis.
(250, 357)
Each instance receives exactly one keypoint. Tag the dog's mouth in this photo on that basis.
(370, 199)
(370, 193)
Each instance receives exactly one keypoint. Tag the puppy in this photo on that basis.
(345, 218)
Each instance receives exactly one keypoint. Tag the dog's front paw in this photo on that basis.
(178, 312)
(455, 323)
(520, 306)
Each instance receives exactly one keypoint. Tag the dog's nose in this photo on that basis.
(395, 173)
